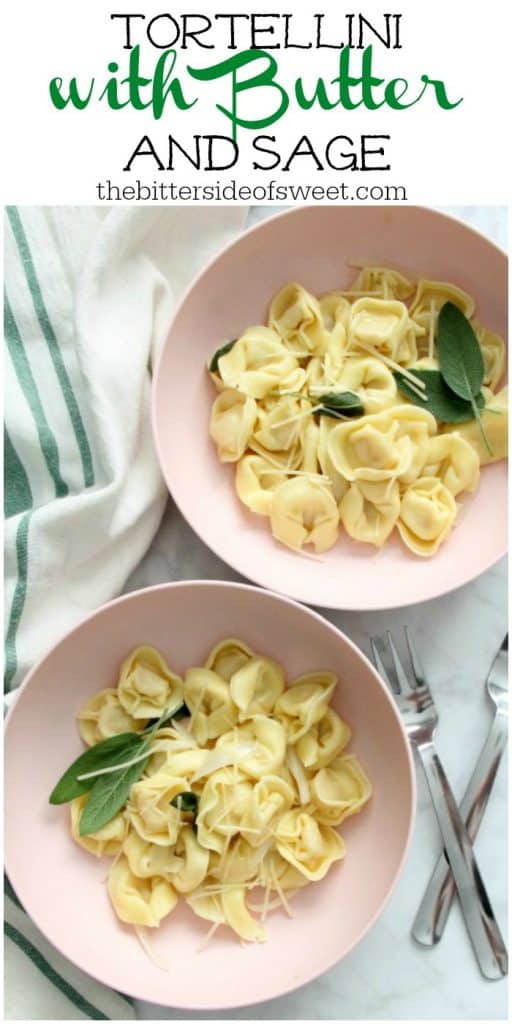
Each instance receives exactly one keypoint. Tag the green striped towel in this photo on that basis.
(88, 297)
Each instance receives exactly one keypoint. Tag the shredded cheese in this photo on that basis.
(221, 757)
(409, 374)
(211, 931)
(150, 953)
(299, 775)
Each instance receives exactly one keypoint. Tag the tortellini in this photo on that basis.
(304, 703)
(372, 381)
(496, 428)
(267, 738)
(258, 363)
(454, 461)
(104, 716)
(307, 845)
(227, 657)
(339, 790)
(147, 685)
(427, 514)
(150, 810)
(231, 424)
(255, 482)
(391, 445)
(208, 698)
(384, 326)
(256, 686)
(493, 351)
(296, 317)
(384, 282)
(304, 512)
(240, 792)
(312, 410)
(323, 741)
(370, 520)
(107, 840)
(139, 901)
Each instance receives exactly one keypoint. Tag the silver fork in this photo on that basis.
(420, 718)
(430, 921)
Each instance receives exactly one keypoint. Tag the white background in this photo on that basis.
(440, 156)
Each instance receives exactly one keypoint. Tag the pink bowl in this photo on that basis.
(313, 245)
(185, 620)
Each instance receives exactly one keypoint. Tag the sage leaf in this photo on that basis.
(180, 711)
(460, 357)
(439, 399)
(101, 755)
(109, 794)
(339, 405)
(187, 802)
(222, 351)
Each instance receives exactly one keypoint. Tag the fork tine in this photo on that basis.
(388, 675)
(404, 680)
(379, 664)
(415, 659)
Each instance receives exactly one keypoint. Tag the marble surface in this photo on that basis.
(388, 976)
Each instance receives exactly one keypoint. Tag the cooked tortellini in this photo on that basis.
(295, 316)
(139, 901)
(313, 409)
(370, 519)
(427, 514)
(241, 790)
(304, 512)
(339, 790)
(495, 423)
(383, 326)
(259, 363)
(147, 685)
(107, 840)
(372, 381)
(231, 424)
(104, 716)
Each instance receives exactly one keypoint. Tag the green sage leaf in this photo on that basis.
(439, 399)
(187, 802)
(339, 405)
(460, 357)
(222, 351)
(101, 755)
(109, 794)
(180, 711)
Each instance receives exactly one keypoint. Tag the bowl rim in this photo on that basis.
(135, 595)
(379, 603)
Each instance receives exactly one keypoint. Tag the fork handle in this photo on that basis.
(478, 914)
(434, 909)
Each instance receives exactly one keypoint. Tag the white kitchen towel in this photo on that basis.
(89, 293)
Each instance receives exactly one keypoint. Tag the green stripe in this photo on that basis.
(127, 999)
(53, 345)
(9, 891)
(18, 601)
(39, 961)
(28, 384)
(17, 493)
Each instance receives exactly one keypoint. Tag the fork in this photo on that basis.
(432, 915)
(420, 719)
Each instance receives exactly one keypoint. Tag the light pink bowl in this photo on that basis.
(62, 887)
(313, 245)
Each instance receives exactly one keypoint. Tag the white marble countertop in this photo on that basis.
(387, 976)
